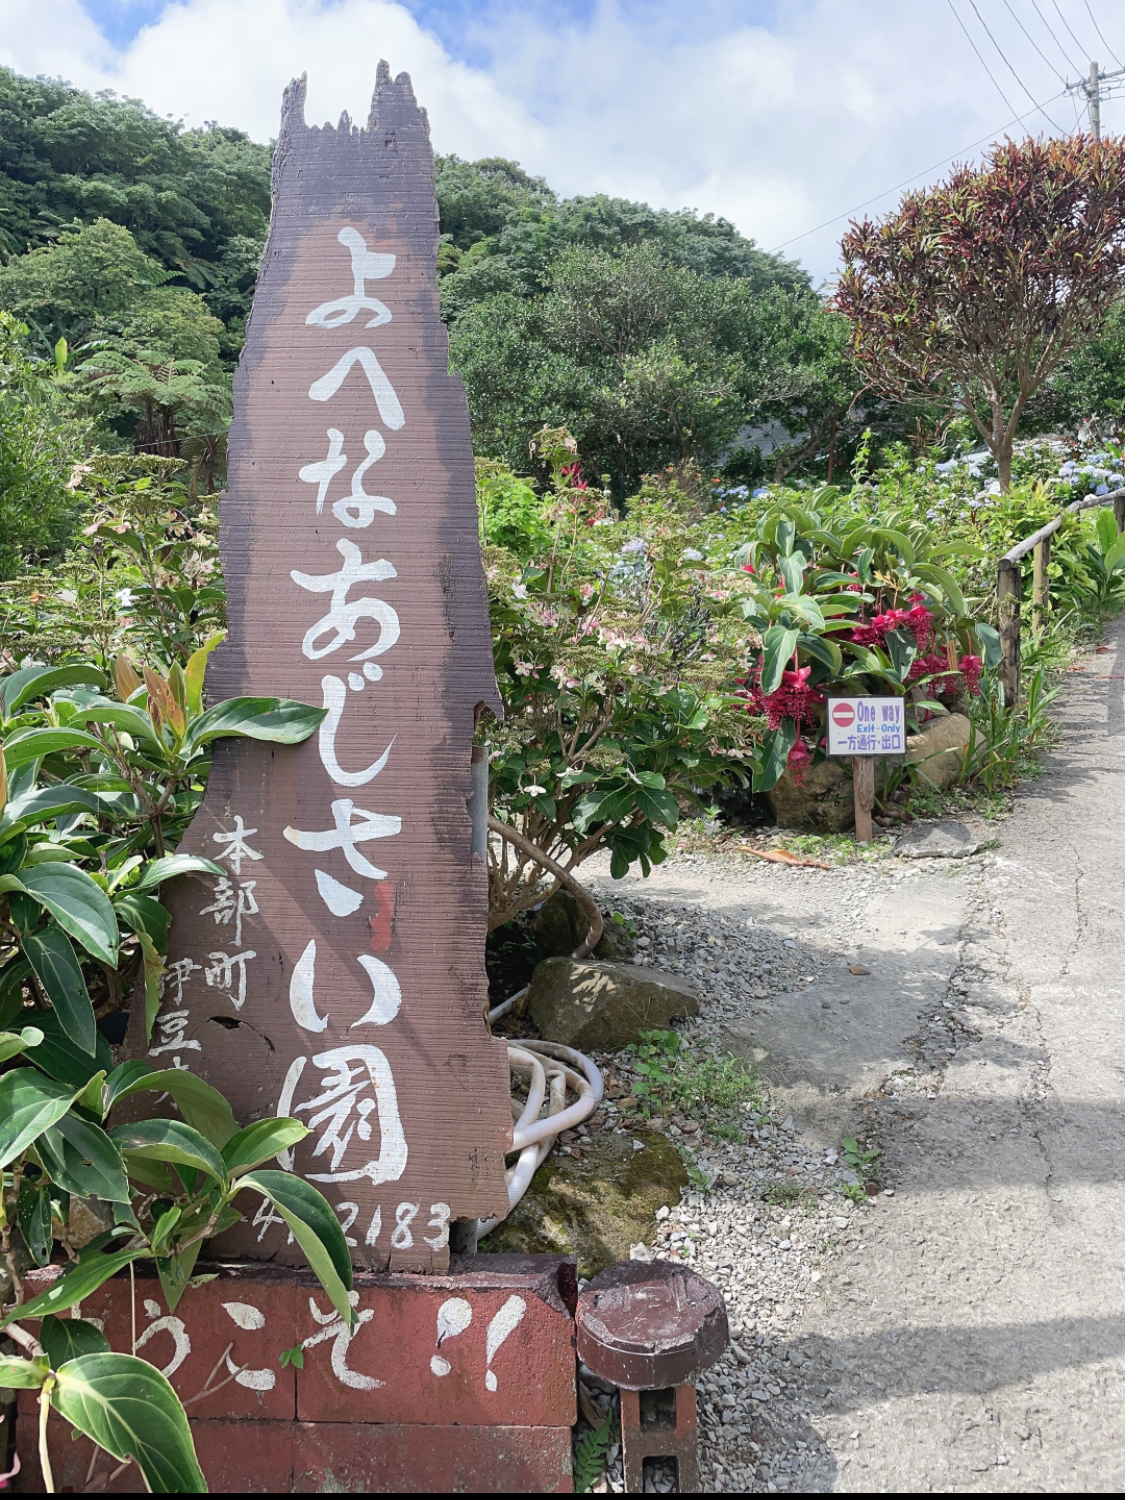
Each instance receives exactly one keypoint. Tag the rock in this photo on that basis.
(938, 751)
(598, 1208)
(590, 1004)
(88, 1218)
(560, 925)
(938, 841)
(823, 803)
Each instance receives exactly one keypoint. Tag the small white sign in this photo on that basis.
(866, 726)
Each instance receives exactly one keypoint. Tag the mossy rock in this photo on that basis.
(595, 1208)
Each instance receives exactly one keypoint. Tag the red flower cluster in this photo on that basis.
(917, 619)
(946, 680)
(792, 700)
(572, 473)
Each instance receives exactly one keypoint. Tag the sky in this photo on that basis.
(783, 116)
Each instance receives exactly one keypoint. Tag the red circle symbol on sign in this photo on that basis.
(843, 715)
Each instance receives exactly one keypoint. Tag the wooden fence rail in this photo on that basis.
(1009, 584)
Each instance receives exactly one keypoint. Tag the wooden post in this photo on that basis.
(863, 787)
(1009, 586)
(1041, 583)
(1119, 513)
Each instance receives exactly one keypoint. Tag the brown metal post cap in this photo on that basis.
(646, 1325)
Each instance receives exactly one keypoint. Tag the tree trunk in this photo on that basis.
(1003, 456)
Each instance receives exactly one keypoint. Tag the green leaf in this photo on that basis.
(258, 1142)
(126, 1074)
(38, 682)
(70, 1338)
(82, 1160)
(201, 1106)
(776, 745)
(196, 669)
(74, 1285)
(12, 976)
(949, 585)
(658, 807)
(170, 1141)
(159, 870)
(52, 957)
(779, 644)
(23, 1374)
(175, 1271)
(126, 719)
(33, 1215)
(128, 1408)
(33, 744)
(792, 570)
(57, 1055)
(991, 650)
(1106, 526)
(315, 1228)
(11, 1044)
(45, 804)
(652, 779)
(79, 905)
(282, 721)
(143, 914)
(29, 1105)
(822, 650)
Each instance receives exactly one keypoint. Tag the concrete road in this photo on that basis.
(974, 1337)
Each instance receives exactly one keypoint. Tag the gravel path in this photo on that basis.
(963, 1329)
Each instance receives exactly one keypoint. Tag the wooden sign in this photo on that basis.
(336, 971)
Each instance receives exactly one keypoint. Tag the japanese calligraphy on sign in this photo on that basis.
(335, 972)
(866, 726)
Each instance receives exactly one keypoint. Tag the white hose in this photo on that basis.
(553, 1069)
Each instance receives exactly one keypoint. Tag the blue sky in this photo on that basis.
(781, 115)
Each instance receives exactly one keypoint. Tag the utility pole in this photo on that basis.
(1094, 89)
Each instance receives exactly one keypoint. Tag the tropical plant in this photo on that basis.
(615, 661)
(974, 291)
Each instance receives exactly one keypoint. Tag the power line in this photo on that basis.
(1011, 70)
(1015, 120)
(1051, 32)
(1098, 29)
(977, 50)
(1069, 28)
(1034, 43)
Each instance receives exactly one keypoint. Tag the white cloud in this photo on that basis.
(777, 128)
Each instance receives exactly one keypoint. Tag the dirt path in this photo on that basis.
(966, 1330)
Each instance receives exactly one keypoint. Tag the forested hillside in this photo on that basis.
(129, 248)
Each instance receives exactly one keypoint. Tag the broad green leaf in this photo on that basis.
(126, 719)
(128, 1408)
(12, 976)
(74, 1285)
(652, 779)
(196, 669)
(779, 644)
(141, 913)
(175, 1271)
(37, 682)
(169, 1141)
(82, 1160)
(1106, 527)
(52, 956)
(776, 747)
(822, 650)
(949, 585)
(57, 1055)
(201, 1106)
(79, 905)
(70, 1338)
(159, 870)
(315, 1228)
(805, 607)
(23, 1374)
(283, 721)
(161, 1238)
(33, 1215)
(12, 1044)
(1115, 556)
(792, 570)
(92, 1096)
(45, 804)
(33, 744)
(658, 807)
(989, 637)
(130, 1072)
(154, 967)
(258, 1142)
(29, 1105)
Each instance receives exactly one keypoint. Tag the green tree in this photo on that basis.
(974, 291)
(40, 439)
(72, 286)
